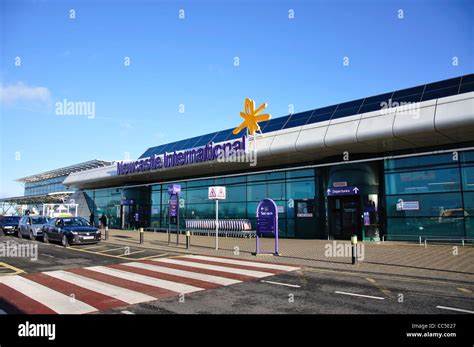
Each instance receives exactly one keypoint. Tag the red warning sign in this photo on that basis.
(216, 193)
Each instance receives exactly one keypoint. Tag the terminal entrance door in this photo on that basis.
(345, 217)
(305, 219)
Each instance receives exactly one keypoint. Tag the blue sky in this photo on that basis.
(190, 61)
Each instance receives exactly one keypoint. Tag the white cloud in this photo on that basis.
(20, 93)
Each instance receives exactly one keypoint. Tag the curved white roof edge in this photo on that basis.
(443, 121)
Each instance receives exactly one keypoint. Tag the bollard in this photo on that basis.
(106, 234)
(354, 249)
(141, 236)
(188, 239)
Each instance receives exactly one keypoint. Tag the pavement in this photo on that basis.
(121, 276)
(447, 262)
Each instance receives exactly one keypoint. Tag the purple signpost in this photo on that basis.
(267, 223)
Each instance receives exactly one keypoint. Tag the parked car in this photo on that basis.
(70, 230)
(9, 224)
(32, 226)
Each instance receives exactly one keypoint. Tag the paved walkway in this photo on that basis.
(442, 262)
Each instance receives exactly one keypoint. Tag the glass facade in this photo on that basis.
(42, 187)
(430, 196)
(243, 194)
(405, 198)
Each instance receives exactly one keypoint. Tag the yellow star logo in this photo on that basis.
(251, 117)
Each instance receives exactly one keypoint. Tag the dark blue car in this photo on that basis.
(70, 230)
(9, 224)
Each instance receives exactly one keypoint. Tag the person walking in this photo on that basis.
(103, 221)
(91, 219)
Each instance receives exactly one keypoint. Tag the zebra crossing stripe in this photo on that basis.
(126, 295)
(189, 262)
(189, 274)
(174, 286)
(243, 262)
(50, 298)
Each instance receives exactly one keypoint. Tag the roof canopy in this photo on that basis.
(64, 171)
(50, 198)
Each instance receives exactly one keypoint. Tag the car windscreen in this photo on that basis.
(75, 222)
(39, 220)
(11, 219)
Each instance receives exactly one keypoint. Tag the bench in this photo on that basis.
(227, 227)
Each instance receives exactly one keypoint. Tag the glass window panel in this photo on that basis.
(256, 192)
(204, 140)
(409, 98)
(236, 193)
(298, 119)
(232, 210)
(422, 181)
(300, 173)
(452, 82)
(274, 124)
(345, 113)
(257, 177)
(467, 79)
(276, 191)
(277, 175)
(300, 190)
(319, 118)
(199, 195)
(201, 183)
(413, 228)
(428, 161)
(467, 178)
(200, 211)
(469, 204)
(378, 99)
(467, 157)
(440, 93)
(408, 91)
(466, 88)
(235, 179)
(435, 205)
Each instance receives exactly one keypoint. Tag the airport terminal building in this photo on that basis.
(399, 165)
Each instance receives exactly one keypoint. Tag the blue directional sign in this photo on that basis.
(342, 191)
(267, 218)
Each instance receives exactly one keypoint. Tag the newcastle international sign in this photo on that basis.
(201, 154)
(209, 152)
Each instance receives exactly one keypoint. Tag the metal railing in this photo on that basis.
(227, 227)
(423, 239)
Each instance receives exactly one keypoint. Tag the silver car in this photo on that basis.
(32, 226)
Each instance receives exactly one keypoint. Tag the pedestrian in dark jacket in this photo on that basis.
(103, 220)
(91, 219)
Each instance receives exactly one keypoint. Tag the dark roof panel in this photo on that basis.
(452, 86)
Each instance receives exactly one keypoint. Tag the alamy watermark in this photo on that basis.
(75, 108)
(344, 250)
(19, 250)
(403, 107)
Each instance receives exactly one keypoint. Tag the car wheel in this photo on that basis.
(65, 241)
(20, 235)
(32, 236)
(45, 238)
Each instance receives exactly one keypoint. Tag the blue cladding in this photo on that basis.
(298, 119)
(452, 86)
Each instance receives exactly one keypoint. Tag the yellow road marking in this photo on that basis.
(395, 278)
(134, 252)
(94, 247)
(15, 270)
(154, 256)
(110, 250)
(384, 290)
(116, 256)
